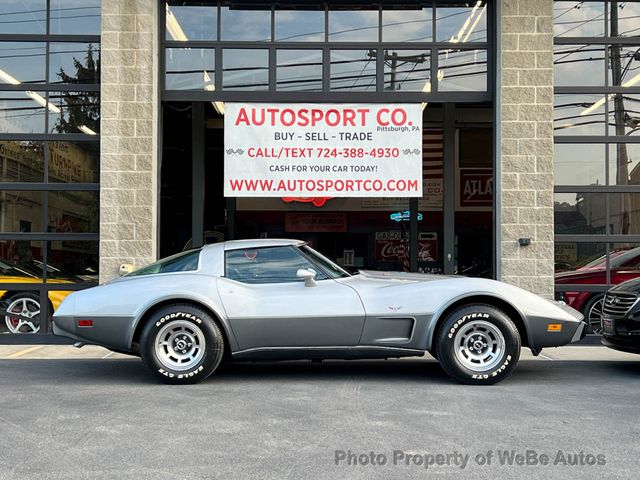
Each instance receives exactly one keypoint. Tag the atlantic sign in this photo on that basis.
(323, 150)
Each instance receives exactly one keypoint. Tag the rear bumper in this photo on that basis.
(110, 332)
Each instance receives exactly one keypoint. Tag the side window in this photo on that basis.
(266, 265)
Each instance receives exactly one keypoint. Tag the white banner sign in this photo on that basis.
(323, 150)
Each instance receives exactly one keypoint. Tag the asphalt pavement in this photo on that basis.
(79, 414)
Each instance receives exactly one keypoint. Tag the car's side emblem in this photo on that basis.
(394, 308)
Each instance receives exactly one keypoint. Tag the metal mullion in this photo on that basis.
(53, 236)
(380, 70)
(218, 21)
(42, 37)
(596, 188)
(272, 65)
(61, 137)
(349, 45)
(590, 238)
(597, 139)
(595, 40)
(43, 186)
(596, 90)
(43, 87)
(47, 152)
(326, 69)
(581, 287)
(434, 60)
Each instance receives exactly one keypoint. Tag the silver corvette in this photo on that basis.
(257, 300)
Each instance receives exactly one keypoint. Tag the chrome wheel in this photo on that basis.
(27, 319)
(479, 346)
(594, 316)
(180, 345)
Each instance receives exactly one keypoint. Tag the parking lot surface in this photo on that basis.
(88, 413)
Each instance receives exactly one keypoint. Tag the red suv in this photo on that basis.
(625, 265)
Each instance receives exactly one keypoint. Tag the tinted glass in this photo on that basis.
(73, 212)
(624, 161)
(353, 70)
(624, 65)
(77, 63)
(72, 261)
(580, 257)
(182, 262)
(579, 65)
(628, 16)
(299, 26)
(266, 265)
(22, 161)
(74, 112)
(624, 113)
(190, 69)
(23, 16)
(20, 261)
(582, 114)
(22, 62)
(22, 212)
(74, 162)
(580, 213)
(245, 69)
(462, 70)
(75, 17)
(22, 112)
(244, 24)
(407, 70)
(191, 20)
(462, 24)
(580, 164)
(624, 213)
(407, 25)
(578, 19)
(299, 70)
(624, 256)
(353, 26)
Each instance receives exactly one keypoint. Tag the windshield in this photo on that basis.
(181, 262)
(332, 269)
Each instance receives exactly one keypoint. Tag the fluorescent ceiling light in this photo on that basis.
(599, 103)
(209, 86)
(174, 28)
(8, 78)
(40, 100)
(456, 38)
(87, 130)
(475, 24)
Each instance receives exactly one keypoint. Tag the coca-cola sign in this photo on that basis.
(390, 247)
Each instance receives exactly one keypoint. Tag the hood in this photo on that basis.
(404, 276)
(631, 286)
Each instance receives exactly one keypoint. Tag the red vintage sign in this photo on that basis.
(312, 222)
(476, 187)
(390, 248)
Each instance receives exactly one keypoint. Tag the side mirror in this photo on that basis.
(309, 277)
(125, 269)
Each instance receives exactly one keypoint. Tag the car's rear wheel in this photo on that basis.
(592, 312)
(181, 344)
(23, 313)
(478, 344)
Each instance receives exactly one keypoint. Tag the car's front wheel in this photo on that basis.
(478, 344)
(181, 344)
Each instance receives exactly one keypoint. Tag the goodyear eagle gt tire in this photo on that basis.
(181, 344)
(478, 344)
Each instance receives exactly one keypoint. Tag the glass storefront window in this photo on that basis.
(627, 14)
(353, 25)
(624, 62)
(582, 114)
(462, 70)
(190, 69)
(23, 16)
(22, 62)
(191, 20)
(21, 211)
(580, 213)
(72, 261)
(580, 261)
(624, 161)
(458, 24)
(73, 212)
(22, 112)
(624, 213)
(353, 70)
(245, 24)
(74, 112)
(299, 25)
(580, 164)
(77, 63)
(21, 161)
(624, 113)
(299, 70)
(245, 69)
(75, 17)
(74, 162)
(578, 19)
(579, 65)
(407, 70)
(409, 24)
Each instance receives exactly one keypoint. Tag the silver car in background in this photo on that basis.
(264, 300)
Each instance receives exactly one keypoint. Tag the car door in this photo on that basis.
(269, 306)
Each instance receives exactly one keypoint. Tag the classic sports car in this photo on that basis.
(252, 300)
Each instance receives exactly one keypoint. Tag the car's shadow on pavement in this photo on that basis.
(132, 371)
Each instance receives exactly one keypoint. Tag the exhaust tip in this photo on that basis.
(79, 344)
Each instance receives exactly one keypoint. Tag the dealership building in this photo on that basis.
(117, 119)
